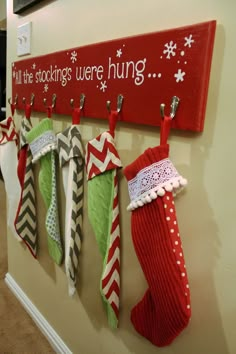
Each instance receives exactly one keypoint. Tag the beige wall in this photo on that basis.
(2, 9)
(206, 212)
(3, 14)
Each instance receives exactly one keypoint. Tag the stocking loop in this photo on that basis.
(28, 110)
(113, 118)
(165, 129)
(49, 111)
(76, 116)
(13, 107)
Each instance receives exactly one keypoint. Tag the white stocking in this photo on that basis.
(8, 165)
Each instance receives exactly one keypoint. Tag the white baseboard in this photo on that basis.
(56, 342)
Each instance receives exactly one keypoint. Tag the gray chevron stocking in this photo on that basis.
(25, 222)
(72, 162)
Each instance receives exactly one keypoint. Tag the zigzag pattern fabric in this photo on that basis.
(7, 131)
(25, 222)
(102, 162)
(71, 157)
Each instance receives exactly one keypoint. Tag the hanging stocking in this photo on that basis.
(25, 222)
(164, 311)
(42, 143)
(8, 165)
(102, 161)
(71, 158)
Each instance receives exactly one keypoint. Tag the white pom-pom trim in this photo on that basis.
(140, 203)
(148, 199)
(183, 181)
(44, 151)
(171, 186)
(168, 187)
(153, 195)
(176, 184)
(161, 192)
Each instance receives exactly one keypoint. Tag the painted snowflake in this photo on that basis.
(103, 86)
(170, 49)
(188, 41)
(45, 88)
(73, 57)
(119, 53)
(179, 76)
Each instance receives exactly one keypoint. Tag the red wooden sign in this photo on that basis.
(147, 70)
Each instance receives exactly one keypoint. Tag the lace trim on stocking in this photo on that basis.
(42, 145)
(153, 181)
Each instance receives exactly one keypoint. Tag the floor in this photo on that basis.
(18, 333)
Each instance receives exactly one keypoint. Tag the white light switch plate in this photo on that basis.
(24, 39)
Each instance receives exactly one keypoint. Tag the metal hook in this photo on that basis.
(32, 99)
(120, 99)
(15, 100)
(108, 104)
(54, 98)
(82, 100)
(174, 105)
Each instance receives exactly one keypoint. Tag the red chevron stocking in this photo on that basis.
(164, 311)
(8, 165)
(102, 161)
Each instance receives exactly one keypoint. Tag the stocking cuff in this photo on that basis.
(70, 145)
(41, 139)
(101, 155)
(150, 175)
(7, 131)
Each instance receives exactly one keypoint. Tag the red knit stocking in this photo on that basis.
(164, 310)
